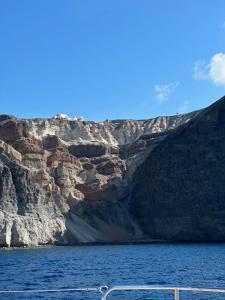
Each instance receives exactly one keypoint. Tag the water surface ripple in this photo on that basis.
(196, 265)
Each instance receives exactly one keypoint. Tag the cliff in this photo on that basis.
(74, 181)
(178, 193)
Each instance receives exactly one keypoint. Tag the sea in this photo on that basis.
(56, 268)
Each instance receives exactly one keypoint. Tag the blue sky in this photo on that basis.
(110, 59)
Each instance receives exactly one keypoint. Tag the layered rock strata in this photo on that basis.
(71, 181)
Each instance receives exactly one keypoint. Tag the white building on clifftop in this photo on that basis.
(66, 117)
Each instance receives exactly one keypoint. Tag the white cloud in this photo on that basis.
(215, 70)
(201, 70)
(184, 107)
(164, 90)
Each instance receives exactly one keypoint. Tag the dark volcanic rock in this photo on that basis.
(87, 150)
(111, 166)
(52, 142)
(178, 193)
(87, 166)
(28, 145)
(12, 130)
(62, 156)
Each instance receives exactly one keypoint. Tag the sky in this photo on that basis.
(111, 59)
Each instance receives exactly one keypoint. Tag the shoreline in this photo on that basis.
(47, 246)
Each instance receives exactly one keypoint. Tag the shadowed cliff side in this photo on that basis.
(178, 193)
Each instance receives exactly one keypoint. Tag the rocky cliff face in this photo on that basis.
(71, 181)
(178, 193)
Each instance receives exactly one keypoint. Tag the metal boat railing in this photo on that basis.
(105, 291)
(176, 290)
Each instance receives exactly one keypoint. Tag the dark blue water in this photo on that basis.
(196, 265)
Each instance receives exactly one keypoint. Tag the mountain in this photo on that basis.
(178, 193)
(68, 181)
